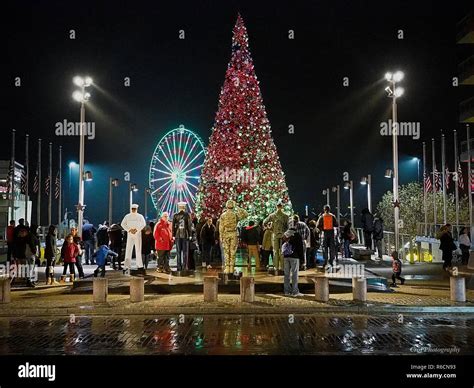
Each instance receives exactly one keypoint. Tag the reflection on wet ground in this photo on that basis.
(239, 335)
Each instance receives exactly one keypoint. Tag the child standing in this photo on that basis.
(101, 259)
(396, 269)
(69, 253)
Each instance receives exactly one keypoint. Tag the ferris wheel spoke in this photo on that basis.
(169, 198)
(182, 155)
(164, 184)
(167, 166)
(168, 173)
(170, 159)
(193, 159)
(165, 199)
(188, 154)
(191, 169)
(174, 151)
(191, 196)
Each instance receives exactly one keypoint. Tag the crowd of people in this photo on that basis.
(280, 244)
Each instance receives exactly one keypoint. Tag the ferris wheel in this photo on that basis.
(175, 169)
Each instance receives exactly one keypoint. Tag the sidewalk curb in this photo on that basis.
(101, 310)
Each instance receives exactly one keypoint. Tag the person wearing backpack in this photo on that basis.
(378, 235)
(292, 251)
(326, 224)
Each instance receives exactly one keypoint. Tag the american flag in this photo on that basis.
(23, 182)
(427, 182)
(36, 182)
(446, 177)
(56, 187)
(460, 177)
(47, 185)
(436, 180)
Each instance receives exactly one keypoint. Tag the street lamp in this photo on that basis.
(388, 173)
(337, 190)
(326, 193)
(113, 182)
(417, 160)
(81, 96)
(349, 185)
(132, 187)
(147, 192)
(395, 92)
(71, 166)
(367, 181)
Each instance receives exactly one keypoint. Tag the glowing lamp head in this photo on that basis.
(388, 76)
(88, 81)
(347, 185)
(398, 76)
(399, 92)
(78, 96)
(363, 180)
(78, 81)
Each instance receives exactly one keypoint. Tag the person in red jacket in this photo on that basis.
(69, 252)
(163, 243)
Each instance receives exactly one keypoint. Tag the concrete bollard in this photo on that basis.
(137, 289)
(457, 286)
(247, 289)
(210, 288)
(100, 290)
(5, 290)
(359, 289)
(321, 288)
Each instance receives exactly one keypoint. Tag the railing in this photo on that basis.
(432, 229)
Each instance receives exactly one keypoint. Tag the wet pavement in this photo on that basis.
(239, 335)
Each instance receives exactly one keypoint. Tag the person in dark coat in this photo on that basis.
(50, 254)
(208, 239)
(202, 221)
(116, 239)
(251, 235)
(293, 253)
(88, 238)
(378, 235)
(102, 234)
(37, 244)
(23, 249)
(367, 220)
(348, 237)
(148, 245)
(447, 245)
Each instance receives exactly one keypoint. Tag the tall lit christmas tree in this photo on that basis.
(242, 161)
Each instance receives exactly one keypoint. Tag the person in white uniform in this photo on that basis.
(133, 223)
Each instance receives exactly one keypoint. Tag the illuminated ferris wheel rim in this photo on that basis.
(175, 169)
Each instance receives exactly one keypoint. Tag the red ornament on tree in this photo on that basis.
(241, 162)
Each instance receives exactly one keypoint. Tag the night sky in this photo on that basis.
(177, 81)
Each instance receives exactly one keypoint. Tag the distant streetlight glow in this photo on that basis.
(388, 76)
(399, 92)
(398, 76)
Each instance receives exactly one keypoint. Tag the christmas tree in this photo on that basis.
(242, 161)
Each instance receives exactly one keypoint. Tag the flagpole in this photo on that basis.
(435, 188)
(425, 210)
(12, 178)
(50, 177)
(443, 168)
(60, 212)
(469, 185)
(456, 184)
(38, 203)
(27, 168)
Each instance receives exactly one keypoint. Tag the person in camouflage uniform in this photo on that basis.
(279, 221)
(228, 232)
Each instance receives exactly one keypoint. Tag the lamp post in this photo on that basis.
(113, 182)
(417, 160)
(367, 181)
(349, 185)
(395, 92)
(326, 193)
(147, 192)
(337, 190)
(81, 96)
(132, 187)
